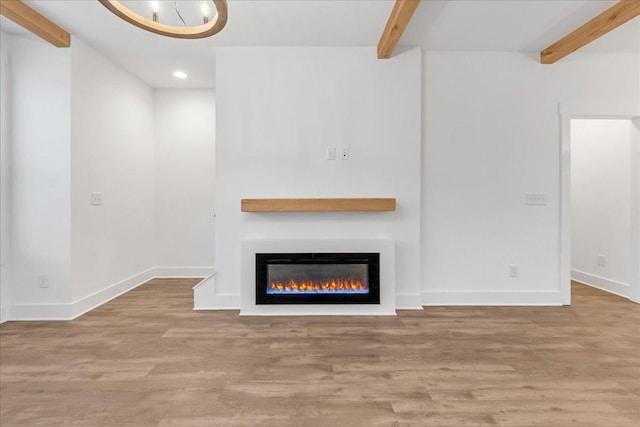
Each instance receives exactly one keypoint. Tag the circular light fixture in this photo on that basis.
(209, 28)
(180, 75)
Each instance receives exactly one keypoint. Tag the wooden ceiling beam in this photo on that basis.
(608, 20)
(396, 24)
(33, 21)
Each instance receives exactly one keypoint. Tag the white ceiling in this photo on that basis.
(503, 25)
(512, 25)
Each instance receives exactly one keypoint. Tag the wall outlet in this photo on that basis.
(536, 198)
(43, 281)
(602, 260)
(96, 199)
(345, 154)
(331, 153)
(514, 270)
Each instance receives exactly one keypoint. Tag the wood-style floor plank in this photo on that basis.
(147, 359)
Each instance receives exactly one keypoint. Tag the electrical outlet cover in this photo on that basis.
(96, 199)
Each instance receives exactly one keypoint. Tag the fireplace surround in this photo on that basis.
(248, 268)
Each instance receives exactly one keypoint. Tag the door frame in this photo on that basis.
(565, 201)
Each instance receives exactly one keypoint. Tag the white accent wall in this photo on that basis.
(490, 135)
(184, 178)
(39, 185)
(600, 208)
(112, 152)
(278, 110)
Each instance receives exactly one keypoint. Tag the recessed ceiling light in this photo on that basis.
(179, 74)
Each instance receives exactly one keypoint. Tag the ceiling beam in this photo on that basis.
(397, 23)
(608, 20)
(31, 20)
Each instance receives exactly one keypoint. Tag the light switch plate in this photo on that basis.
(514, 270)
(43, 281)
(331, 153)
(536, 198)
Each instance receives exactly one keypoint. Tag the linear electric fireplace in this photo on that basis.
(318, 278)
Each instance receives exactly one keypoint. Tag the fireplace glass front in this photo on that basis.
(318, 278)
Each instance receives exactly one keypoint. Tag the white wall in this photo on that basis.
(491, 134)
(600, 202)
(4, 175)
(112, 152)
(634, 253)
(278, 109)
(184, 178)
(40, 181)
(81, 124)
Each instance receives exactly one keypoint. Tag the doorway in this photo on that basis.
(600, 219)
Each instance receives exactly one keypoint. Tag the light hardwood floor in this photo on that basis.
(147, 359)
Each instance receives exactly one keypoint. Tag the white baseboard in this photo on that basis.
(204, 281)
(602, 283)
(206, 291)
(38, 312)
(49, 312)
(81, 306)
(4, 313)
(436, 298)
(319, 310)
(170, 272)
(408, 302)
(88, 303)
(222, 302)
(232, 302)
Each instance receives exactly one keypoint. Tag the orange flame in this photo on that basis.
(311, 286)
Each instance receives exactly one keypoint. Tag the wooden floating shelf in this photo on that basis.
(318, 205)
